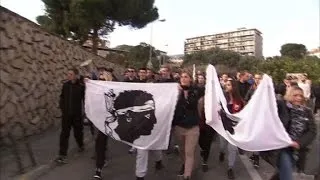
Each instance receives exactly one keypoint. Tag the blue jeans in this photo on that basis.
(285, 165)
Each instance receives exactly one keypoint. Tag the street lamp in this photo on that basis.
(151, 34)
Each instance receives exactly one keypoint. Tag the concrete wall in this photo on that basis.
(33, 63)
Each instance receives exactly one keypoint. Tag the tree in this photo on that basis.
(296, 51)
(80, 19)
(136, 57)
(56, 17)
(277, 67)
(215, 56)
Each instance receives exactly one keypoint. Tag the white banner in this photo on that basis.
(139, 114)
(257, 127)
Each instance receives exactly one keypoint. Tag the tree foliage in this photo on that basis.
(218, 56)
(293, 50)
(277, 66)
(137, 56)
(80, 19)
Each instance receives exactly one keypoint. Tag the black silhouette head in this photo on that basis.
(135, 113)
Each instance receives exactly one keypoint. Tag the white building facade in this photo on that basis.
(244, 41)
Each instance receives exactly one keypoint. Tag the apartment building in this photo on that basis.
(244, 41)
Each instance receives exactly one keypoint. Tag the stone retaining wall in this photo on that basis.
(33, 64)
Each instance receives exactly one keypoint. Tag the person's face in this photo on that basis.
(245, 77)
(149, 73)
(238, 75)
(71, 76)
(201, 80)
(126, 74)
(257, 79)
(224, 77)
(228, 86)
(164, 72)
(142, 74)
(185, 79)
(297, 97)
(130, 72)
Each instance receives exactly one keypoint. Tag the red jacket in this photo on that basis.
(237, 105)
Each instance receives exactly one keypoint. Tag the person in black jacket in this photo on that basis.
(165, 73)
(142, 75)
(316, 93)
(71, 101)
(243, 84)
(130, 75)
(299, 122)
(166, 77)
(201, 83)
(186, 123)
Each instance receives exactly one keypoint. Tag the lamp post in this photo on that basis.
(151, 34)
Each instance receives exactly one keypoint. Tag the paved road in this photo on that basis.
(122, 165)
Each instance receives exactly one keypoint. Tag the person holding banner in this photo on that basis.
(300, 125)
(142, 154)
(257, 79)
(186, 123)
(235, 104)
(207, 134)
(102, 139)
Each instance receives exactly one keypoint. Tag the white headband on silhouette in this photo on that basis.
(149, 105)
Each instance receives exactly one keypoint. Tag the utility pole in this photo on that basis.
(151, 36)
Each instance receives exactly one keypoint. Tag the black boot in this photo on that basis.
(251, 158)
(97, 175)
(159, 165)
(221, 157)
(140, 178)
(256, 163)
(230, 173)
(205, 167)
(181, 172)
(241, 151)
(275, 177)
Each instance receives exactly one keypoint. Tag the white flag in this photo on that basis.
(257, 127)
(139, 114)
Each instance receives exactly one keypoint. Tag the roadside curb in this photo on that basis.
(45, 168)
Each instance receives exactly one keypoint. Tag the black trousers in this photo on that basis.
(101, 148)
(76, 123)
(205, 140)
(91, 128)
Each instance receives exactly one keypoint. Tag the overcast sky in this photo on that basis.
(280, 21)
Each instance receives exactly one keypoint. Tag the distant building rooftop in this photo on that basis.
(239, 29)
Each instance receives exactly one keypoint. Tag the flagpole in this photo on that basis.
(194, 72)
